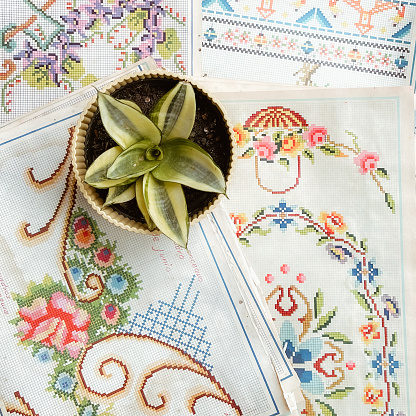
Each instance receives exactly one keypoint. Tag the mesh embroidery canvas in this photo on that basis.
(96, 320)
(323, 205)
(51, 48)
(335, 43)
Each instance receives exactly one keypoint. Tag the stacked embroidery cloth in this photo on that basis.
(323, 203)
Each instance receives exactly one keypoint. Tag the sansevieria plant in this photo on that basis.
(152, 158)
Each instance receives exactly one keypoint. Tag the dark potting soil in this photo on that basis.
(209, 132)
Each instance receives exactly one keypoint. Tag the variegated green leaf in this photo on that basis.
(96, 174)
(120, 194)
(174, 113)
(186, 163)
(135, 161)
(131, 104)
(142, 205)
(125, 124)
(166, 204)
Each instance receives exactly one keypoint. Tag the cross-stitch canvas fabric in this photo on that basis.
(96, 320)
(327, 43)
(323, 204)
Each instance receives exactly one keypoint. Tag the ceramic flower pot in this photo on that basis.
(212, 131)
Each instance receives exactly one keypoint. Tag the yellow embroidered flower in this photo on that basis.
(369, 332)
(373, 396)
(241, 135)
(239, 220)
(292, 145)
(333, 222)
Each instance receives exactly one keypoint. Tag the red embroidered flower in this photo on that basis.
(315, 135)
(110, 314)
(104, 257)
(265, 148)
(369, 332)
(333, 222)
(366, 161)
(58, 323)
(239, 220)
(373, 396)
(84, 238)
(81, 223)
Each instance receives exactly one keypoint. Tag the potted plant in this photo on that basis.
(152, 153)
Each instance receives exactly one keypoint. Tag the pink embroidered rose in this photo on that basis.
(265, 148)
(104, 257)
(110, 314)
(315, 135)
(366, 161)
(59, 323)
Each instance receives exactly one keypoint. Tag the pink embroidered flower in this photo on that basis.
(366, 161)
(350, 365)
(301, 278)
(269, 278)
(104, 257)
(58, 323)
(315, 135)
(110, 314)
(265, 148)
(84, 238)
(285, 269)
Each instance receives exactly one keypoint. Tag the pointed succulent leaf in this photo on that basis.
(96, 174)
(135, 161)
(174, 113)
(186, 163)
(142, 204)
(166, 204)
(131, 104)
(120, 194)
(125, 124)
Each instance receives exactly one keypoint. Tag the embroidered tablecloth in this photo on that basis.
(323, 204)
(336, 43)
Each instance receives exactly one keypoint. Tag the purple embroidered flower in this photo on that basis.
(391, 307)
(96, 11)
(338, 253)
(66, 48)
(122, 7)
(74, 23)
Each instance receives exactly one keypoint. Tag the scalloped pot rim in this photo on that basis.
(78, 160)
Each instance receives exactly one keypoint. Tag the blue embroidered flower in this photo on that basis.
(369, 272)
(44, 355)
(88, 411)
(76, 274)
(210, 34)
(117, 284)
(379, 364)
(283, 220)
(391, 307)
(308, 47)
(358, 272)
(338, 253)
(372, 272)
(396, 414)
(65, 383)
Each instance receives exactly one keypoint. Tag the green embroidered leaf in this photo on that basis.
(396, 388)
(393, 341)
(371, 317)
(377, 292)
(248, 153)
(308, 155)
(375, 412)
(362, 301)
(368, 352)
(88, 79)
(351, 237)
(339, 393)
(306, 212)
(325, 320)
(326, 409)
(354, 140)
(307, 230)
(337, 336)
(382, 173)
(322, 240)
(363, 244)
(174, 113)
(368, 375)
(259, 231)
(318, 303)
(330, 150)
(390, 202)
(284, 162)
(186, 163)
(244, 242)
(74, 70)
(258, 213)
(171, 45)
(135, 20)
